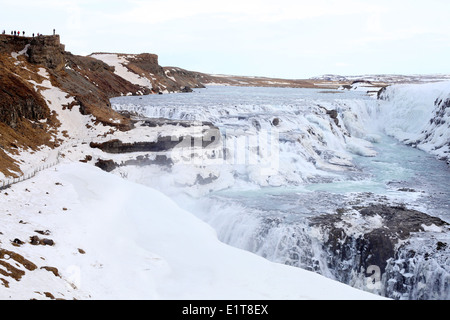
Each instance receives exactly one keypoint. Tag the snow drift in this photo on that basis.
(418, 115)
(136, 244)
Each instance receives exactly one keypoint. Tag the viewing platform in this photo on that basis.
(43, 49)
(8, 42)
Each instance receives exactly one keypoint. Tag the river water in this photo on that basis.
(322, 165)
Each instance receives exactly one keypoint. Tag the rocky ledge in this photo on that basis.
(406, 248)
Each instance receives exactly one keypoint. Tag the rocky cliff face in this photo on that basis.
(19, 100)
(43, 50)
(144, 70)
(37, 72)
(92, 83)
(146, 64)
(25, 119)
(388, 241)
(187, 79)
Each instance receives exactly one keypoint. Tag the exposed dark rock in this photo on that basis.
(165, 143)
(381, 94)
(46, 232)
(404, 189)
(158, 122)
(52, 270)
(35, 240)
(47, 242)
(361, 81)
(332, 113)
(186, 89)
(383, 232)
(420, 270)
(160, 160)
(17, 241)
(44, 50)
(377, 245)
(441, 245)
(19, 100)
(47, 51)
(86, 159)
(116, 146)
(184, 77)
(203, 181)
(106, 165)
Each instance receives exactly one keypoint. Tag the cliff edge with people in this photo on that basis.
(40, 81)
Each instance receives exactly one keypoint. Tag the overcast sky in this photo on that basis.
(275, 38)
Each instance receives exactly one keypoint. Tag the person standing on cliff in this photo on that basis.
(54, 32)
(23, 33)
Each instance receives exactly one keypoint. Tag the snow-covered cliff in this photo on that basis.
(419, 115)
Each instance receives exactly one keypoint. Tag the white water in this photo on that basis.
(321, 166)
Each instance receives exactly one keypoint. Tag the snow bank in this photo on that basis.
(419, 115)
(15, 55)
(137, 244)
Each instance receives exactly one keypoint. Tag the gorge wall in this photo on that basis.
(84, 83)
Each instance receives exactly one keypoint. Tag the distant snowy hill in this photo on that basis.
(385, 78)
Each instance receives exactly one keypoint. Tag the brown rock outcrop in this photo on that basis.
(43, 50)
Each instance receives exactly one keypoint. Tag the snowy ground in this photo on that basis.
(114, 239)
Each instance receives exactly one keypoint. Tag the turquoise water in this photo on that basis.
(399, 174)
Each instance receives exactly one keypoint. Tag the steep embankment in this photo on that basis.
(25, 119)
(42, 86)
(418, 115)
(144, 70)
